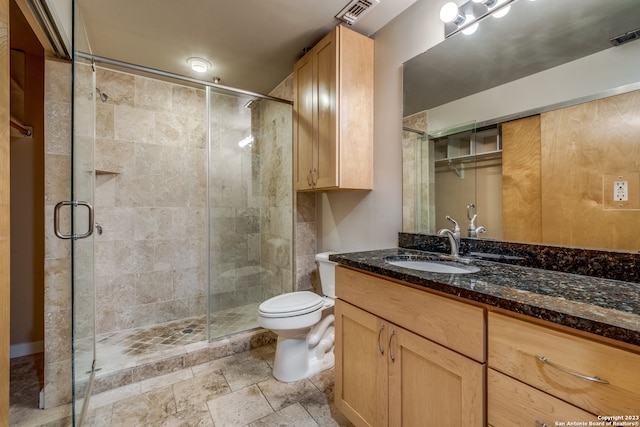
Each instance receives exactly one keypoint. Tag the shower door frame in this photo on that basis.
(93, 60)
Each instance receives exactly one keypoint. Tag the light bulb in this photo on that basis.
(502, 12)
(449, 12)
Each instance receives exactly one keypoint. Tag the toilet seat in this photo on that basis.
(291, 304)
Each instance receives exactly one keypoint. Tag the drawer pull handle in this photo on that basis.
(380, 348)
(575, 374)
(540, 424)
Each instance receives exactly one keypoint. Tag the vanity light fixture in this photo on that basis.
(199, 65)
(467, 16)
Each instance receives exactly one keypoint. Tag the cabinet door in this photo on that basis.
(304, 111)
(430, 385)
(326, 159)
(361, 381)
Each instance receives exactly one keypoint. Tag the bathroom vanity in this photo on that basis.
(504, 346)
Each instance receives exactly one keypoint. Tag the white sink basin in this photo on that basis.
(433, 266)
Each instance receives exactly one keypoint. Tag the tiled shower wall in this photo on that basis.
(151, 203)
(306, 276)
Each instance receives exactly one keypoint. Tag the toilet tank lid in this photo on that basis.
(324, 256)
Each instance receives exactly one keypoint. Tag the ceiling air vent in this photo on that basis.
(355, 9)
(626, 37)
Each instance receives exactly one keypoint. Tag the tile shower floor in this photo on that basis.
(134, 347)
(236, 390)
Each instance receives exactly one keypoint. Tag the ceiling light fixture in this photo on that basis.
(199, 65)
(466, 17)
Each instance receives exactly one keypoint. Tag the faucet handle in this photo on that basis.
(456, 227)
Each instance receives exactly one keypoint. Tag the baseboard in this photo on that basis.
(25, 349)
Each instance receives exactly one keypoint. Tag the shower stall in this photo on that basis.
(189, 195)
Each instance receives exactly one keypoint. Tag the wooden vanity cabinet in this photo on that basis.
(557, 373)
(388, 375)
(333, 114)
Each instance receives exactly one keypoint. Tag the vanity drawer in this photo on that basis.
(515, 348)
(456, 325)
(512, 403)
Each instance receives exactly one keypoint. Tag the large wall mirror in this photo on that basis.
(529, 123)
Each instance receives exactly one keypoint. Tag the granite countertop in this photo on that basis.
(609, 308)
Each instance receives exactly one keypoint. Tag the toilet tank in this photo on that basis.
(327, 271)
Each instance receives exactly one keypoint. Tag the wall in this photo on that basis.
(368, 220)
(150, 201)
(602, 71)
(57, 262)
(27, 189)
(305, 226)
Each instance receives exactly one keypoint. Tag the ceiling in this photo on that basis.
(252, 44)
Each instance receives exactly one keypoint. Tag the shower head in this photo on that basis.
(103, 96)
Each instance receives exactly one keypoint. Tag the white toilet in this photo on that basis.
(303, 322)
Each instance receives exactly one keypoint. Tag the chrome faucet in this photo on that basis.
(472, 230)
(454, 237)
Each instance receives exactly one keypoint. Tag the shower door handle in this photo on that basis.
(56, 220)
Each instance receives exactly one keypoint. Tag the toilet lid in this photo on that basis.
(291, 304)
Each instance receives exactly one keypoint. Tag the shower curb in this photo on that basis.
(213, 350)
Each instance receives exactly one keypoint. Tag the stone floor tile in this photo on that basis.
(239, 408)
(281, 395)
(110, 396)
(194, 416)
(198, 390)
(323, 380)
(214, 365)
(148, 409)
(165, 380)
(99, 417)
(293, 415)
(32, 416)
(247, 372)
(324, 411)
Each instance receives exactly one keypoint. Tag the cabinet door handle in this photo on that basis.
(309, 180)
(380, 347)
(314, 180)
(540, 424)
(391, 356)
(566, 371)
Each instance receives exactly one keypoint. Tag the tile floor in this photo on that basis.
(134, 347)
(236, 390)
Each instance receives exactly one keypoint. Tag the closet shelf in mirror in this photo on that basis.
(470, 157)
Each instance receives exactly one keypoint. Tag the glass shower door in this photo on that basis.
(82, 186)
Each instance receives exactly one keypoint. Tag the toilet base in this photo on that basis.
(304, 352)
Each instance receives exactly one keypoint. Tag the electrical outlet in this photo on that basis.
(620, 191)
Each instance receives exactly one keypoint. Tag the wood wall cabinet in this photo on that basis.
(387, 375)
(333, 114)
